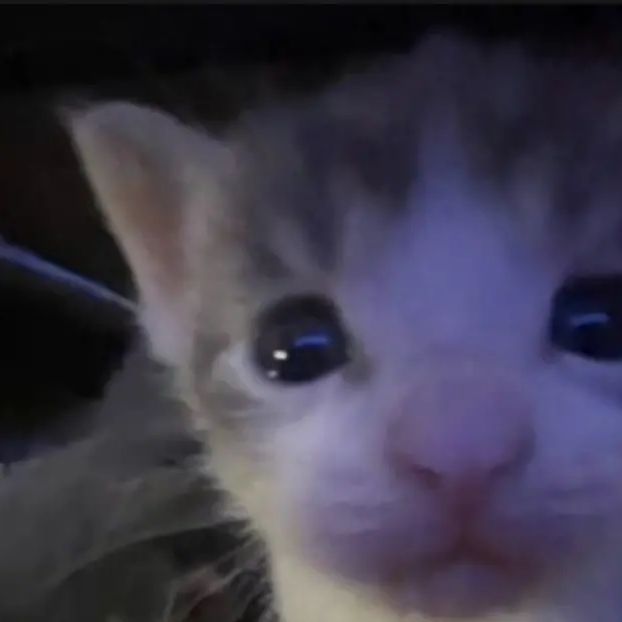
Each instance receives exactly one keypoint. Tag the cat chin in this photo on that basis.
(461, 589)
(468, 581)
(467, 590)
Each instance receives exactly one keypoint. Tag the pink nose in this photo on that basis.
(459, 432)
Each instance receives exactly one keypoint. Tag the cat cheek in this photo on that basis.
(348, 513)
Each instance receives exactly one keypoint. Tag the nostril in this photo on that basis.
(455, 470)
(469, 483)
(462, 433)
(429, 478)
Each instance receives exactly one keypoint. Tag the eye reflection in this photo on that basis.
(586, 317)
(299, 340)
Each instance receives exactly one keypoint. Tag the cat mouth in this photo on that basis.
(467, 549)
(468, 580)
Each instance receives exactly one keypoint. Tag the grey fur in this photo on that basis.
(82, 522)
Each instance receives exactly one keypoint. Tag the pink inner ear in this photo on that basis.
(144, 207)
(147, 222)
(149, 236)
(134, 158)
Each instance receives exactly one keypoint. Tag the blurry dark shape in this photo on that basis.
(62, 337)
(46, 205)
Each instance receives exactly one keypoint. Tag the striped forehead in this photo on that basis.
(535, 142)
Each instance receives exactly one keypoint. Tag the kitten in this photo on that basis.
(394, 311)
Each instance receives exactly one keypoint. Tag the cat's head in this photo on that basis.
(397, 308)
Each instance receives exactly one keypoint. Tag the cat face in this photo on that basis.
(397, 308)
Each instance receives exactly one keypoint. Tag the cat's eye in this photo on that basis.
(586, 318)
(300, 339)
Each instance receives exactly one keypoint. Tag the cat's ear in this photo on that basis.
(142, 164)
